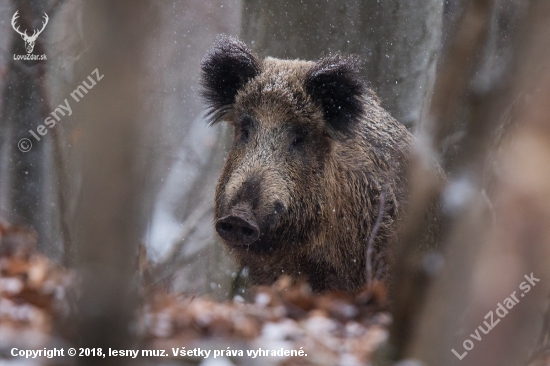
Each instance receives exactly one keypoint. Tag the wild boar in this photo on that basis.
(312, 153)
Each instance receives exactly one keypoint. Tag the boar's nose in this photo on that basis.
(238, 230)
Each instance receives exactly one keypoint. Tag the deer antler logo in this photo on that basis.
(29, 40)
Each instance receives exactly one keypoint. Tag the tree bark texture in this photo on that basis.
(397, 40)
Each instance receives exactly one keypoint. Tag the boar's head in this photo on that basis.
(286, 116)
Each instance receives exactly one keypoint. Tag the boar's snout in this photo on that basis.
(239, 228)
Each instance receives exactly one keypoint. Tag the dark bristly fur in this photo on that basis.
(312, 151)
(227, 66)
(334, 83)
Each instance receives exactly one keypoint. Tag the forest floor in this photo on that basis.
(284, 324)
(281, 325)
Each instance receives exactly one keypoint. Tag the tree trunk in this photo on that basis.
(494, 234)
(22, 110)
(398, 41)
(111, 212)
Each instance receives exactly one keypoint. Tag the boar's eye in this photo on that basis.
(297, 141)
(244, 128)
(244, 134)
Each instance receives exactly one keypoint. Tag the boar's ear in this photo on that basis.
(226, 68)
(334, 82)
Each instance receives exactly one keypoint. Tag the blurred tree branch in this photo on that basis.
(484, 260)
